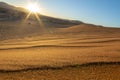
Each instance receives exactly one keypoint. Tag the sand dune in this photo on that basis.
(90, 29)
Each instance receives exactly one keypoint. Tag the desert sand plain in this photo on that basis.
(56, 49)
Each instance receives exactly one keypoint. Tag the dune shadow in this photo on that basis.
(47, 46)
(62, 67)
(99, 41)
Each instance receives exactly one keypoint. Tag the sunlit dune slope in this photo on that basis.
(90, 29)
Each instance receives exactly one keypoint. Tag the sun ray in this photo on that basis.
(28, 16)
(38, 18)
(41, 23)
(34, 13)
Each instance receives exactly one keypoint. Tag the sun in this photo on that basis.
(33, 8)
(34, 12)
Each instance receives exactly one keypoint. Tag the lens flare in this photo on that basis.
(33, 8)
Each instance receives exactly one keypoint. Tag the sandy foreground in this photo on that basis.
(103, 71)
(60, 58)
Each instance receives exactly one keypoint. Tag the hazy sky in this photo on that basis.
(102, 12)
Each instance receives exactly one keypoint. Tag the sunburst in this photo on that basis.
(33, 7)
(35, 10)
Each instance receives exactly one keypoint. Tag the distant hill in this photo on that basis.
(7, 6)
(9, 12)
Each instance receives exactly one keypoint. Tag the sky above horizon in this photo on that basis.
(100, 12)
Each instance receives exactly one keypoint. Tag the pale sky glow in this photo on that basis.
(101, 12)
